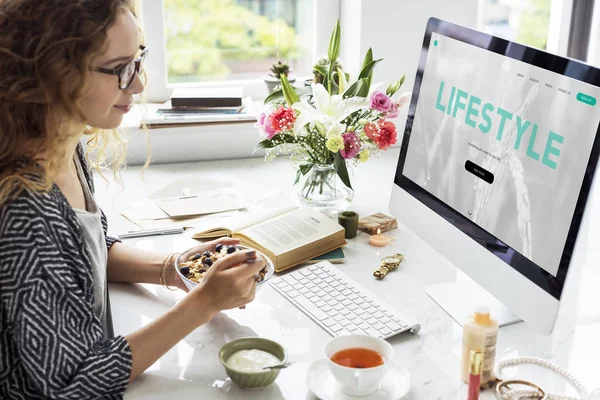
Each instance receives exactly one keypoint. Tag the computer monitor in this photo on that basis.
(496, 164)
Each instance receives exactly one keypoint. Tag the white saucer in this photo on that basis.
(395, 385)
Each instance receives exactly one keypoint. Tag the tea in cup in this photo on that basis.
(358, 362)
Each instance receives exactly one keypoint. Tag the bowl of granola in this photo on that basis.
(191, 266)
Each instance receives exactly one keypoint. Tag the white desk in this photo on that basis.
(191, 370)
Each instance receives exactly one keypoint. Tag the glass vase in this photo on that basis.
(323, 189)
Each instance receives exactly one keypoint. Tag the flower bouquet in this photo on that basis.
(324, 126)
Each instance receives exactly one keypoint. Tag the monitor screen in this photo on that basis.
(501, 141)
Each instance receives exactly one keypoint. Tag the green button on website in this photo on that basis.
(587, 99)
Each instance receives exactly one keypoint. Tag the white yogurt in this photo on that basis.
(251, 360)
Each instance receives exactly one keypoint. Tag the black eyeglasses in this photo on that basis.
(127, 71)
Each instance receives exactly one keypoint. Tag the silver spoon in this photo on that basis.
(280, 366)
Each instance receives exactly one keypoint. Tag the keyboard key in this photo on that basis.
(329, 322)
(385, 331)
(325, 308)
(346, 292)
(364, 306)
(338, 307)
(329, 290)
(313, 268)
(345, 323)
(347, 302)
(373, 332)
(371, 310)
(289, 279)
(384, 319)
(339, 317)
(343, 332)
(379, 326)
(305, 272)
(304, 290)
(360, 312)
(377, 315)
(293, 293)
(339, 297)
(371, 321)
(353, 307)
(336, 328)
(352, 296)
(310, 285)
(328, 279)
(310, 307)
(364, 326)
(311, 296)
(316, 281)
(393, 326)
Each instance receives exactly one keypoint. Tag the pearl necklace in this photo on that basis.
(510, 394)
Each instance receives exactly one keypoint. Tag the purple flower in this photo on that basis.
(351, 145)
(265, 126)
(380, 102)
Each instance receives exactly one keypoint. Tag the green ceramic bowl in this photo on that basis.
(252, 380)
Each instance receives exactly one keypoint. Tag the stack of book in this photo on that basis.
(200, 105)
(190, 101)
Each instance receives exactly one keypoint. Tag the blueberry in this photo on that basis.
(184, 271)
(196, 256)
(208, 262)
(206, 254)
(218, 248)
(231, 249)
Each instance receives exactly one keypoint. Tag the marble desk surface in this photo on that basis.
(191, 369)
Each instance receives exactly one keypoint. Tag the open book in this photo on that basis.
(288, 238)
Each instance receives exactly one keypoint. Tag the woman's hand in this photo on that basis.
(172, 277)
(229, 283)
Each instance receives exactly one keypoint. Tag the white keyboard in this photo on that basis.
(339, 304)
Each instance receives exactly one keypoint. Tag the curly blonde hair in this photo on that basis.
(46, 49)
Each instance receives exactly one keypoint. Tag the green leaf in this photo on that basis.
(321, 69)
(342, 80)
(367, 71)
(368, 58)
(305, 168)
(334, 43)
(288, 91)
(359, 88)
(278, 95)
(340, 167)
(297, 177)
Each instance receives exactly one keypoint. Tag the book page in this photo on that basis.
(294, 229)
(235, 221)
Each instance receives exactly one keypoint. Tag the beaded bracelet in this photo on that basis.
(162, 277)
(511, 394)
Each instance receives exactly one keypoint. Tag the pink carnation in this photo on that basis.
(383, 133)
(392, 112)
(351, 145)
(265, 126)
(380, 102)
(283, 119)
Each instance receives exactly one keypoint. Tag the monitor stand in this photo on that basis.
(460, 298)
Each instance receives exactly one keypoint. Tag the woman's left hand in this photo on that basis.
(173, 279)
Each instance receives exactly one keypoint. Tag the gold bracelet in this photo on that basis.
(162, 278)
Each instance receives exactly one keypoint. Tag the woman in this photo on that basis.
(69, 67)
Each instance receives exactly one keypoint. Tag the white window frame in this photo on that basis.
(325, 14)
(558, 26)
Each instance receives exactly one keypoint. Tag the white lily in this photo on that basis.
(328, 110)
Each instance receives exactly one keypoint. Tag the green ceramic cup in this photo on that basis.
(252, 380)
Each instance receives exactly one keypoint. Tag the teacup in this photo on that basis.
(362, 377)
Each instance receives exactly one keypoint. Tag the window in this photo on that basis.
(523, 21)
(232, 42)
